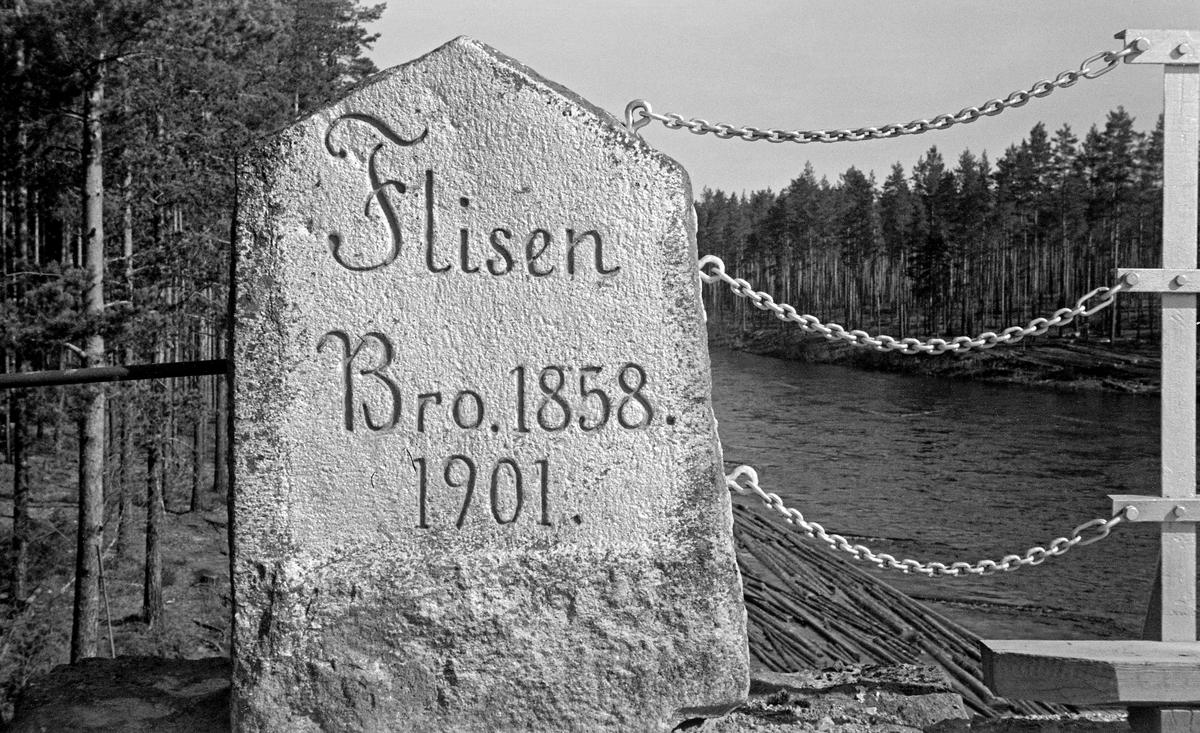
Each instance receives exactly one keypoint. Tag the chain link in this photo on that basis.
(1100, 528)
(639, 114)
(835, 332)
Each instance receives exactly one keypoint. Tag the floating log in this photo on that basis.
(809, 608)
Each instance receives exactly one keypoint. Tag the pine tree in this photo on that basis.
(929, 268)
(857, 237)
(897, 218)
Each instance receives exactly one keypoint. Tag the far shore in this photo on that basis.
(1060, 363)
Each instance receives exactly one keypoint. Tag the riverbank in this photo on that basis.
(1061, 363)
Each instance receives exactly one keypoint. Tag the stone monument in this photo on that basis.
(477, 483)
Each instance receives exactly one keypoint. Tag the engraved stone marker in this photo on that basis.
(477, 480)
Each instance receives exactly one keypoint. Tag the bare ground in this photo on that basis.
(35, 636)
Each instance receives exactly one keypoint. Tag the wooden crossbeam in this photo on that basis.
(1144, 673)
(1169, 48)
(1141, 280)
(1156, 508)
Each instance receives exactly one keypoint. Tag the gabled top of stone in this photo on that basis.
(504, 70)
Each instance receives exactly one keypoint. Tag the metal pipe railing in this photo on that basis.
(90, 375)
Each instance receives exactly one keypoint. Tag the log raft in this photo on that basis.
(808, 608)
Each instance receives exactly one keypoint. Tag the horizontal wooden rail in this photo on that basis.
(114, 373)
(1091, 672)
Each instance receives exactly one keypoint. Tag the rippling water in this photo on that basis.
(949, 470)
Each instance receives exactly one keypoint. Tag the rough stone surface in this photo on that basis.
(460, 273)
(128, 695)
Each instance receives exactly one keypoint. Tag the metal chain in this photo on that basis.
(834, 332)
(1032, 556)
(639, 114)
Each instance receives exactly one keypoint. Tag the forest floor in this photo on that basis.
(1065, 363)
(195, 577)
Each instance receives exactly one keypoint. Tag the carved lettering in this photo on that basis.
(377, 186)
(572, 243)
(545, 466)
(531, 257)
(460, 471)
(585, 393)
(559, 408)
(423, 401)
(469, 483)
(348, 356)
(633, 394)
(519, 372)
(422, 492)
(464, 243)
(552, 396)
(374, 122)
(537, 243)
(457, 410)
(517, 489)
(429, 226)
(500, 250)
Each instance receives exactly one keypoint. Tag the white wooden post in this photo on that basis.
(1177, 572)
(1181, 128)
(1159, 679)
(1179, 349)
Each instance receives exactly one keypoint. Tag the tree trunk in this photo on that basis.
(35, 239)
(198, 424)
(125, 471)
(152, 600)
(125, 478)
(22, 523)
(91, 434)
(221, 438)
(59, 416)
(17, 429)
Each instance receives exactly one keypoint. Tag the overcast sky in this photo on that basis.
(800, 64)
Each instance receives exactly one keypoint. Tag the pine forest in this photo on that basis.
(957, 248)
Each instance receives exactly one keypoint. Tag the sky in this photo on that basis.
(798, 64)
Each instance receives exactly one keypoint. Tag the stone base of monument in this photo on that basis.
(144, 694)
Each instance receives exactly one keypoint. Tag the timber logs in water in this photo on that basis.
(808, 609)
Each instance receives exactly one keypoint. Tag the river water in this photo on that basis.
(937, 469)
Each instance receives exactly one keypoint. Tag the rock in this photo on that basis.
(128, 695)
(883, 699)
(478, 482)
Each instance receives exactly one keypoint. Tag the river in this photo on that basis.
(937, 469)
